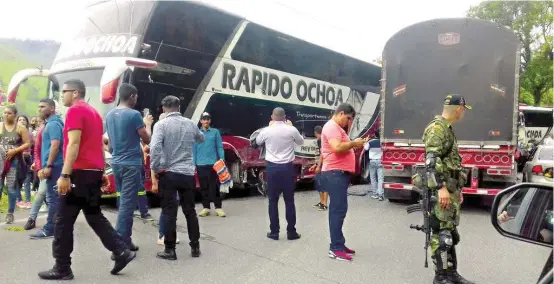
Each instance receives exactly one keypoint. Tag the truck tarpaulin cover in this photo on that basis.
(474, 58)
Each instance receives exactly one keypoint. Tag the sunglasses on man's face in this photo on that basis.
(65, 91)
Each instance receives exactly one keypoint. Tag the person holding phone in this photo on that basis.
(339, 163)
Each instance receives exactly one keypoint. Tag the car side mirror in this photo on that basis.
(524, 212)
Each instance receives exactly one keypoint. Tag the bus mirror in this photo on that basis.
(110, 81)
(22, 76)
(111, 76)
(55, 84)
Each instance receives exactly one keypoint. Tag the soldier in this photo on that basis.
(446, 177)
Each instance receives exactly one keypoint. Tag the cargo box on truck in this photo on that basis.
(421, 65)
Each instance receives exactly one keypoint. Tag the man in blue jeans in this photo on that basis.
(339, 163)
(280, 138)
(126, 127)
(375, 167)
(51, 158)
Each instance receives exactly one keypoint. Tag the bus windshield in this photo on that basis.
(91, 78)
(538, 118)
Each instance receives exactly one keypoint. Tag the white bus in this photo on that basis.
(214, 61)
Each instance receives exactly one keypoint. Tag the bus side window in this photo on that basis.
(261, 46)
(192, 26)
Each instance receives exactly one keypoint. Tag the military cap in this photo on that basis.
(456, 100)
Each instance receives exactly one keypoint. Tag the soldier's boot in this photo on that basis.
(441, 274)
(452, 273)
(440, 258)
(441, 278)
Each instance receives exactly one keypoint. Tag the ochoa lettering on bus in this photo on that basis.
(113, 44)
(274, 83)
(534, 134)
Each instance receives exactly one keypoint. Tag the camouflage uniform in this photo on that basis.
(440, 143)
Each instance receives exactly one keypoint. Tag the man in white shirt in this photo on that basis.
(280, 138)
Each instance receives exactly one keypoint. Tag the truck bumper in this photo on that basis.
(399, 191)
(480, 191)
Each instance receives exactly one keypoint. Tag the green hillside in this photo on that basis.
(31, 91)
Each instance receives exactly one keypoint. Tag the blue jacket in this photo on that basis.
(209, 151)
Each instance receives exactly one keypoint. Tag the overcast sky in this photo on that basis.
(356, 28)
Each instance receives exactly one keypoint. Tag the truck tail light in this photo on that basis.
(496, 172)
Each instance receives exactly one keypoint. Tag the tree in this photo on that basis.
(532, 22)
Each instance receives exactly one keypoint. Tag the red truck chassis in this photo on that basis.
(489, 170)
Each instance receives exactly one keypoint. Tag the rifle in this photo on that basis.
(426, 206)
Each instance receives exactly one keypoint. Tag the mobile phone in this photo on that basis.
(146, 112)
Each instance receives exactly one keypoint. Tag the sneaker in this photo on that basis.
(375, 196)
(147, 217)
(325, 207)
(339, 255)
(321, 207)
(56, 274)
(381, 198)
(40, 235)
(29, 225)
(9, 218)
(205, 212)
(349, 251)
(317, 205)
(219, 212)
(20, 204)
(28, 205)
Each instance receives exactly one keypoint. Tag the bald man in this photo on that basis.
(280, 138)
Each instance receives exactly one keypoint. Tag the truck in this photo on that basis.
(425, 62)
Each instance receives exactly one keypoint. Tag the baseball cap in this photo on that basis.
(456, 100)
(205, 115)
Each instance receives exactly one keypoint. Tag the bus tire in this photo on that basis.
(364, 175)
(261, 186)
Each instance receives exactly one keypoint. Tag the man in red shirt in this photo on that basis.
(79, 185)
(337, 152)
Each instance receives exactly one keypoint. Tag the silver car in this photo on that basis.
(538, 168)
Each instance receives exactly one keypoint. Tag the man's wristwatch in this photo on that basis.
(64, 176)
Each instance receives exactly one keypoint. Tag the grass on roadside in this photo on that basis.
(4, 209)
(4, 201)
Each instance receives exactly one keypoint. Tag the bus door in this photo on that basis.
(367, 109)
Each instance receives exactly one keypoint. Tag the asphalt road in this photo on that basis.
(235, 249)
